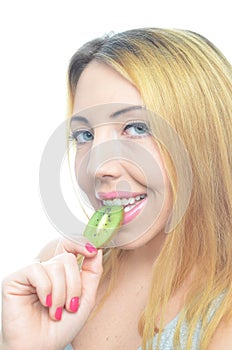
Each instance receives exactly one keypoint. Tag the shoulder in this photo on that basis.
(48, 251)
(222, 338)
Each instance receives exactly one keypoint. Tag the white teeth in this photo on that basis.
(132, 200)
(128, 208)
(124, 201)
(107, 202)
(117, 201)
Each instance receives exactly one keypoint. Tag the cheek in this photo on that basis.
(85, 182)
(81, 163)
(151, 172)
(150, 162)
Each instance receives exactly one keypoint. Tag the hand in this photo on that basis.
(46, 304)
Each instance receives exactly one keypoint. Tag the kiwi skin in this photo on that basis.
(103, 225)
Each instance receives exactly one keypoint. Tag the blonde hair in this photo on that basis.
(186, 80)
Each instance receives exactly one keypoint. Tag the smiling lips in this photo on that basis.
(133, 203)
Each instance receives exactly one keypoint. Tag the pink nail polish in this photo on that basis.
(74, 304)
(90, 248)
(49, 300)
(58, 313)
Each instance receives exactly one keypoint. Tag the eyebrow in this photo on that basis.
(79, 119)
(113, 115)
(125, 110)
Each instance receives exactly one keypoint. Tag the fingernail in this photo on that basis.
(49, 300)
(58, 313)
(90, 248)
(74, 304)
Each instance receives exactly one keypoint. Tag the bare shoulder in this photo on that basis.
(48, 251)
(222, 338)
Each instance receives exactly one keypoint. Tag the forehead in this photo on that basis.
(100, 84)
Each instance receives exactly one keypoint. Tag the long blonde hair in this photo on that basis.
(186, 80)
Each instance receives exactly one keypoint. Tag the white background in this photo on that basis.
(37, 41)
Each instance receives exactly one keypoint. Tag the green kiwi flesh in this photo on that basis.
(104, 224)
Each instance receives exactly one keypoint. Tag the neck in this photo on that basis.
(142, 258)
(150, 250)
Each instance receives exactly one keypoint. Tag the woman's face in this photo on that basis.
(117, 159)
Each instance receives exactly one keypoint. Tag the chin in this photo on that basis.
(144, 240)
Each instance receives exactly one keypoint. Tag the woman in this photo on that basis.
(166, 284)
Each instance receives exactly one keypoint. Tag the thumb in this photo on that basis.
(91, 272)
(68, 246)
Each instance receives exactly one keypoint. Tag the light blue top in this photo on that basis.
(167, 335)
(166, 341)
(69, 347)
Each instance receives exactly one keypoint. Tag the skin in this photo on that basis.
(25, 292)
(100, 85)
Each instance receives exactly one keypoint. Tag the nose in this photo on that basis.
(104, 156)
(109, 170)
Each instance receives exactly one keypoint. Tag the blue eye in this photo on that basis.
(136, 129)
(82, 136)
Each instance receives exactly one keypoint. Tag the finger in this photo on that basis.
(91, 273)
(56, 272)
(27, 281)
(73, 282)
(85, 248)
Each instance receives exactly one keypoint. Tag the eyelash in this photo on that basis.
(137, 123)
(132, 124)
(75, 134)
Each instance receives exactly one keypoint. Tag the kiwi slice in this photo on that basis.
(104, 224)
